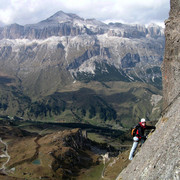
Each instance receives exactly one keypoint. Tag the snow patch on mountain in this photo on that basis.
(88, 67)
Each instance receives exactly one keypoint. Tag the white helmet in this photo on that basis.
(143, 120)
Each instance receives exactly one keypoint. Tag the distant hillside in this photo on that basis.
(67, 68)
(63, 154)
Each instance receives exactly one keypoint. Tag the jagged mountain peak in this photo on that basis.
(69, 24)
(155, 29)
(95, 22)
(154, 25)
(62, 17)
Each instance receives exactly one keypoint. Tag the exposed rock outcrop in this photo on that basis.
(159, 157)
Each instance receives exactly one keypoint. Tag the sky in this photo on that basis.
(125, 11)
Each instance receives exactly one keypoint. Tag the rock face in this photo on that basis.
(171, 63)
(159, 156)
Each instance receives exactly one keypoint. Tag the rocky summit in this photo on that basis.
(45, 66)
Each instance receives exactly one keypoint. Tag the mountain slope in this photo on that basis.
(52, 57)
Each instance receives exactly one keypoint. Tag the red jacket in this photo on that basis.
(141, 129)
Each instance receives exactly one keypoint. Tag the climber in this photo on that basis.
(139, 136)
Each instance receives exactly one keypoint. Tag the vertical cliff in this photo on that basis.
(171, 62)
(159, 157)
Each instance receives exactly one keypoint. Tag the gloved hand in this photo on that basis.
(144, 138)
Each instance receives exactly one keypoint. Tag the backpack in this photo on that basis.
(134, 130)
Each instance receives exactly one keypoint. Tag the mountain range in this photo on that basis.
(67, 68)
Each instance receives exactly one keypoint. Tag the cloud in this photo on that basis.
(126, 11)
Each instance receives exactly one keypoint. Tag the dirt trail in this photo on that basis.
(6, 155)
